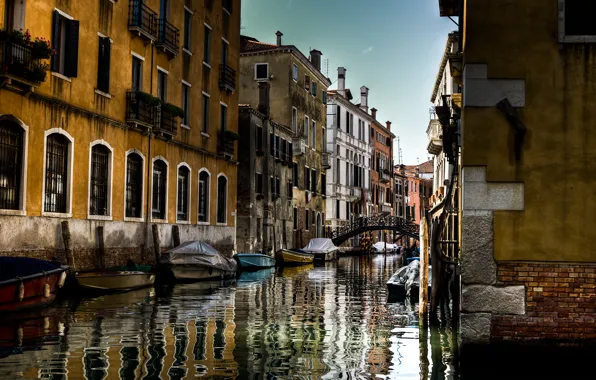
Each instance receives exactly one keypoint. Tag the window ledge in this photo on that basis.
(182, 221)
(131, 219)
(187, 51)
(203, 223)
(104, 94)
(56, 214)
(164, 221)
(99, 217)
(205, 134)
(206, 64)
(221, 224)
(13, 212)
(63, 77)
(185, 126)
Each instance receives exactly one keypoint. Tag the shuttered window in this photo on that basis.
(103, 65)
(313, 181)
(65, 37)
(222, 199)
(56, 185)
(160, 177)
(98, 194)
(134, 185)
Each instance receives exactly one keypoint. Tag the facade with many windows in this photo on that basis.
(131, 122)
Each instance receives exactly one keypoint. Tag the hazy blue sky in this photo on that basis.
(393, 47)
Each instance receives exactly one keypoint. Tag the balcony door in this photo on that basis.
(14, 14)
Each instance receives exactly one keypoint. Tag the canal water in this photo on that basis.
(322, 322)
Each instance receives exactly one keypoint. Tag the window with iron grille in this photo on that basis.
(203, 196)
(222, 201)
(98, 194)
(160, 178)
(183, 184)
(134, 185)
(11, 165)
(56, 186)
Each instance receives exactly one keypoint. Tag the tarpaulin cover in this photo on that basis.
(320, 245)
(380, 246)
(198, 253)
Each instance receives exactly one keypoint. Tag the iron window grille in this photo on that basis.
(56, 173)
(222, 184)
(160, 174)
(203, 196)
(182, 209)
(11, 156)
(98, 197)
(134, 185)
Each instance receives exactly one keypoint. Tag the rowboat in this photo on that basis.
(323, 249)
(406, 281)
(197, 260)
(26, 282)
(293, 257)
(114, 281)
(254, 261)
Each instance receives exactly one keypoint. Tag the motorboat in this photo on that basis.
(196, 260)
(114, 280)
(254, 261)
(323, 249)
(27, 282)
(290, 257)
(406, 281)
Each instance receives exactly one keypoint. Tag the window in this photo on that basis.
(57, 173)
(295, 72)
(337, 209)
(294, 120)
(306, 218)
(295, 174)
(324, 97)
(323, 184)
(187, 28)
(576, 21)
(160, 183)
(186, 103)
(313, 181)
(290, 151)
(259, 139)
(290, 189)
(103, 65)
(314, 88)
(134, 185)
(259, 183)
(223, 117)
(259, 234)
(324, 142)
(222, 198)
(203, 196)
(261, 71)
(183, 193)
(99, 181)
(137, 73)
(307, 83)
(225, 47)
(162, 85)
(277, 186)
(306, 128)
(205, 113)
(338, 114)
(314, 134)
(306, 178)
(271, 144)
(65, 37)
(295, 218)
(227, 5)
(11, 165)
(284, 150)
(14, 16)
(207, 45)
(277, 147)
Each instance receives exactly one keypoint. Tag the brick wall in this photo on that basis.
(560, 302)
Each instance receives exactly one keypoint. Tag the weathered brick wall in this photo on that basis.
(560, 302)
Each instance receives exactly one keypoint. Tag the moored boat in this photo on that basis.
(197, 260)
(322, 249)
(293, 257)
(114, 281)
(406, 281)
(254, 261)
(26, 282)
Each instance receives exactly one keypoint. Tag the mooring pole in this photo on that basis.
(156, 242)
(423, 289)
(176, 235)
(67, 246)
(101, 248)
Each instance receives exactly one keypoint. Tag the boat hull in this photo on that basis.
(198, 273)
(248, 261)
(325, 256)
(287, 257)
(114, 281)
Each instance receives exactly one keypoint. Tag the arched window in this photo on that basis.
(134, 185)
(57, 169)
(11, 165)
(100, 181)
(222, 198)
(159, 197)
(203, 196)
(183, 193)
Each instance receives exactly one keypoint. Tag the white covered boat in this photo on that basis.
(197, 260)
(323, 249)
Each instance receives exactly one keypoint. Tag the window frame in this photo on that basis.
(188, 192)
(306, 219)
(70, 160)
(141, 60)
(22, 208)
(307, 129)
(225, 222)
(186, 47)
(186, 86)
(208, 203)
(207, 30)
(205, 114)
(165, 73)
(151, 218)
(143, 166)
(564, 38)
(59, 68)
(104, 91)
(314, 134)
(295, 72)
(110, 181)
(294, 120)
(256, 71)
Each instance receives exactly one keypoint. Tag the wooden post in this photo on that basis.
(156, 242)
(102, 252)
(176, 235)
(424, 246)
(67, 246)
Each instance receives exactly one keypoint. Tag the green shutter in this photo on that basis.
(71, 63)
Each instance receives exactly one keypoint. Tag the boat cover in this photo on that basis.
(12, 267)
(407, 276)
(198, 253)
(320, 245)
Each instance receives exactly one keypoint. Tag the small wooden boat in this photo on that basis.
(323, 249)
(26, 282)
(406, 281)
(254, 261)
(114, 281)
(197, 260)
(293, 257)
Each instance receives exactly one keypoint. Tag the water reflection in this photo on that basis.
(316, 322)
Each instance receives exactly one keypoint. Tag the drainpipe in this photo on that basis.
(149, 173)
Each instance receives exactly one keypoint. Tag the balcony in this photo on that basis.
(168, 123)
(354, 193)
(225, 144)
(142, 20)
(298, 145)
(169, 38)
(141, 110)
(227, 78)
(384, 176)
(434, 132)
(18, 68)
(326, 160)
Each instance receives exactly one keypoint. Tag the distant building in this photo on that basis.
(419, 185)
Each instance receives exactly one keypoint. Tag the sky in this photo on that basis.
(393, 47)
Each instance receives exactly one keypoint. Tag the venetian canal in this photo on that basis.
(324, 322)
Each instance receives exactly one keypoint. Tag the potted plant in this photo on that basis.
(147, 98)
(39, 71)
(42, 49)
(172, 110)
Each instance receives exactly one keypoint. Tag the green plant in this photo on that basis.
(41, 49)
(148, 98)
(172, 110)
(39, 71)
(16, 36)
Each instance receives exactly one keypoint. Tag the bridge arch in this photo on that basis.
(374, 223)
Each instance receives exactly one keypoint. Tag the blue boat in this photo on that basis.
(254, 261)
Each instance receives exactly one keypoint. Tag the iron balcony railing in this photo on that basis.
(384, 176)
(16, 59)
(169, 37)
(168, 123)
(138, 111)
(225, 145)
(227, 78)
(142, 19)
(326, 160)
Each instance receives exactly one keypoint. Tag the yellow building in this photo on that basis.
(527, 163)
(131, 122)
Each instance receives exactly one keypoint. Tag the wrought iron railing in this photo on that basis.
(227, 78)
(225, 145)
(168, 123)
(16, 59)
(326, 160)
(142, 18)
(139, 111)
(169, 36)
(379, 222)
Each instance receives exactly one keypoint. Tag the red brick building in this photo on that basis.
(419, 189)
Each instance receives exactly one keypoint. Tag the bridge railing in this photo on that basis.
(374, 223)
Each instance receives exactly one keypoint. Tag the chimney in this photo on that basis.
(364, 98)
(388, 123)
(373, 112)
(279, 34)
(315, 58)
(341, 81)
(264, 98)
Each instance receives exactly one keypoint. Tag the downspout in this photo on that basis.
(149, 173)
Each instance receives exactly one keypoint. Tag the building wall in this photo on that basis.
(382, 203)
(73, 107)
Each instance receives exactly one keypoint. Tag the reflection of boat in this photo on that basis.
(323, 249)
(26, 282)
(253, 277)
(406, 281)
(291, 271)
(254, 261)
(293, 257)
(114, 281)
(197, 260)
